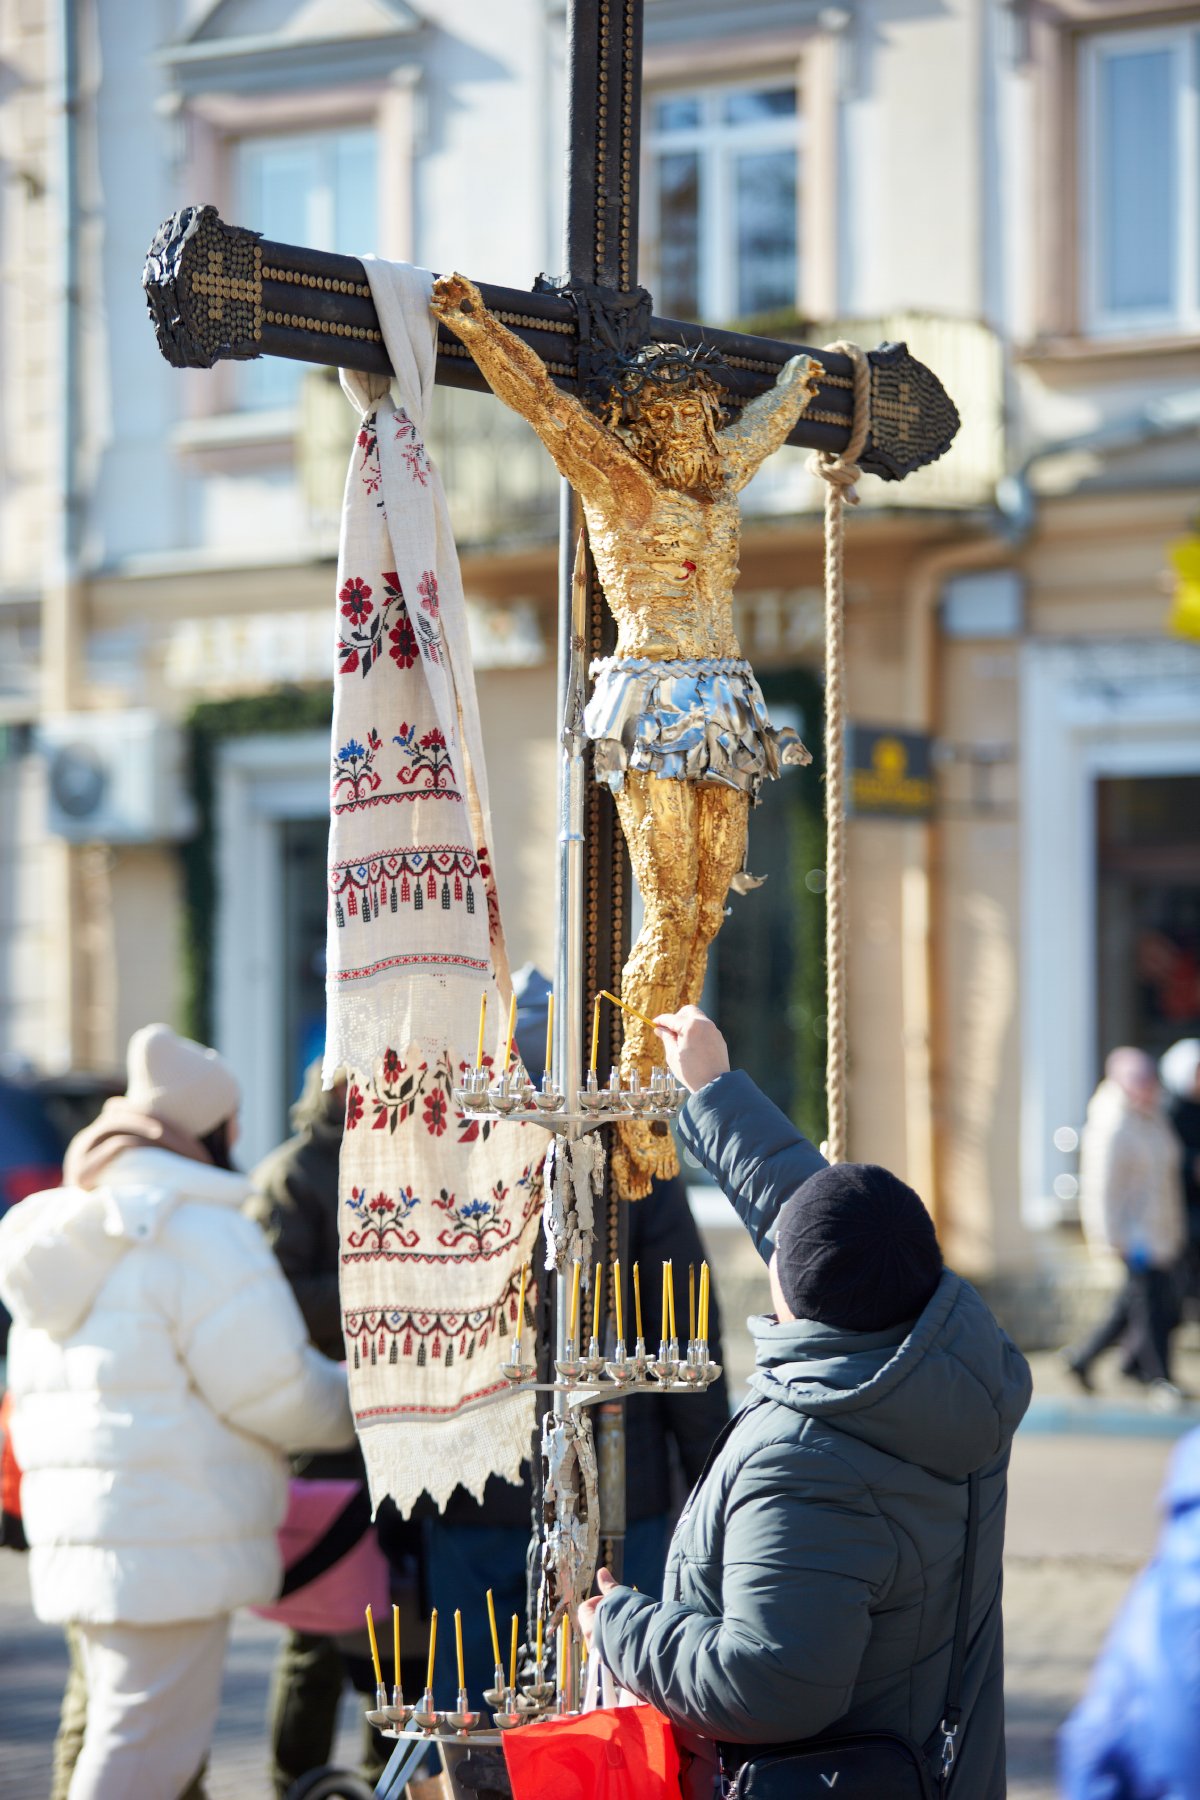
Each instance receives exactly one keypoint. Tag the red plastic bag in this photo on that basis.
(613, 1753)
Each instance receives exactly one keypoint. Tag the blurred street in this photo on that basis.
(1085, 1477)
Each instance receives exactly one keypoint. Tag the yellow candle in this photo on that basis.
(512, 1026)
(512, 1657)
(492, 1623)
(564, 1647)
(482, 1024)
(396, 1642)
(539, 1640)
(462, 1667)
(617, 1302)
(374, 1648)
(671, 1296)
(521, 1310)
(691, 1302)
(617, 1001)
(432, 1647)
(705, 1286)
(596, 1301)
(666, 1314)
(595, 1033)
(637, 1301)
(573, 1327)
(550, 1033)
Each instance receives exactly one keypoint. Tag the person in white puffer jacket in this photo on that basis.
(160, 1369)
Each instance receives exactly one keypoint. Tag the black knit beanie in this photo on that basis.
(857, 1249)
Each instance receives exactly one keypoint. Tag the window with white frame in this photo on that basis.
(721, 201)
(1141, 180)
(316, 188)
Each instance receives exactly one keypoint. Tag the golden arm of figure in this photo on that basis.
(592, 458)
(765, 423)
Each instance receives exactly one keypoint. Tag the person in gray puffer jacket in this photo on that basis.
(814, 1576)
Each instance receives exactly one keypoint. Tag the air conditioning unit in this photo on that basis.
(115, 778)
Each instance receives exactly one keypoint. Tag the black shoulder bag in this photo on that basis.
(869, 1765)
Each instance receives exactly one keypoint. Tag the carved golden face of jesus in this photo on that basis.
(675, 435)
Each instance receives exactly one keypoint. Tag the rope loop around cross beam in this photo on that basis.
(840, 474)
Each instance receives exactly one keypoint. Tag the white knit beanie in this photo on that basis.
(1179, 1067)
(179, 1082)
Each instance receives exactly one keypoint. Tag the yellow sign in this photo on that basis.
(1184, 557)
(889, 773)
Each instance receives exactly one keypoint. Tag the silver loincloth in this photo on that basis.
(699, 719)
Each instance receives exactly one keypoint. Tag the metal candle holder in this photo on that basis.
(511, 1095)
(425, 1716)
(462, 1719)
(592, 1365)
(513, 1369)
(381, 1715)
(666, 1363)
(620, 1369)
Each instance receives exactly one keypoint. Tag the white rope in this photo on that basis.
(840, 473)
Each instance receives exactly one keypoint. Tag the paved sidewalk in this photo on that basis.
(1085, 1477)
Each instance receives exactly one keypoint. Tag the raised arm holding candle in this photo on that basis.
(882, 1388)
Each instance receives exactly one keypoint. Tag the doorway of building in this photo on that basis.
(1148, 911)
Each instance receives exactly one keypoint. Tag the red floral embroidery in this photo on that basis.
(368, 470)
(427, 587)
(361, 640)
(404, 644)
(411, 448)
(391, 1065)
(356, 599)
(435, 1113)
(354, 1107)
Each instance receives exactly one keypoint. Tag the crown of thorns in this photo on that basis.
(623, 379)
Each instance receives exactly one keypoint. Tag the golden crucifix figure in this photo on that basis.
(677, 721)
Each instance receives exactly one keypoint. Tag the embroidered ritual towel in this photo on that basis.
(438, 1214)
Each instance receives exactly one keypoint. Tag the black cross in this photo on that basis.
(217, 291)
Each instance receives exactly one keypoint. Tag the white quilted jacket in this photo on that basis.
(159, 1368)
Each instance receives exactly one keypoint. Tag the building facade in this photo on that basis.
(1010, 186)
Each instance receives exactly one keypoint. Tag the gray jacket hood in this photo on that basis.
(913, 1392)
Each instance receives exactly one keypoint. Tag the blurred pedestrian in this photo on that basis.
(1179, 1072)
(1131, 1204)
(1136, 1732)
(159, 1369)
(295, 1201)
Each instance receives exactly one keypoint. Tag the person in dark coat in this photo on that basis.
(814, 1577)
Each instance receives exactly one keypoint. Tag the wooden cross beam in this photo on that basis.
(218, 292)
